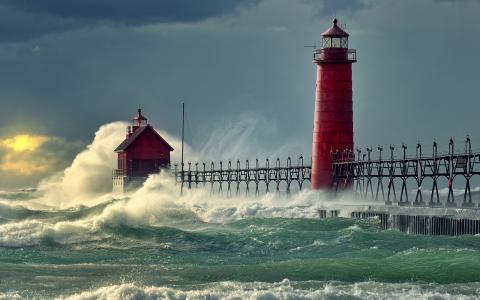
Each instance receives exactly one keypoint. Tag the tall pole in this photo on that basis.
(183, 138)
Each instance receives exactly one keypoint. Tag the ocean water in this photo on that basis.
(156, 245)
(69, 238)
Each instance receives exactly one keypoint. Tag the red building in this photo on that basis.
(333, 117)
(143, 152)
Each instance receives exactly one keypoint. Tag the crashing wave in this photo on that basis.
(285, 290)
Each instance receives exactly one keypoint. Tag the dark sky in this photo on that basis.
(67, 67)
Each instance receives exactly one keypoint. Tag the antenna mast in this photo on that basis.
(183, 137)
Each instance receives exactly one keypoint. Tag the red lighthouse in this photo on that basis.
(143, 152)
(333, 118)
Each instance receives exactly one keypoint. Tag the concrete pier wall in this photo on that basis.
(439, 221)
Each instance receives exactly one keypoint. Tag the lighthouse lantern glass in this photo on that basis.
(139, 122)
(335, 42)
(326, 42)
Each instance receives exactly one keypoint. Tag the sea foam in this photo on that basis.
(284, 290)
(87, 183)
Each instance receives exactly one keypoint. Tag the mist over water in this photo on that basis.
(70, 238)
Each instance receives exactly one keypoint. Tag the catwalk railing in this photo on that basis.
(381, 178)
(235, 178)
(403, 180)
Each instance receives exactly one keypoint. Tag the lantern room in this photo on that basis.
(334, 46)
(335, 37)
(139, 120)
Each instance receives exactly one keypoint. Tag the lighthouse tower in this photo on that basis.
(333, 118)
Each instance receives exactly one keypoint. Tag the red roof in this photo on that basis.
(334, 31)
(127, 142)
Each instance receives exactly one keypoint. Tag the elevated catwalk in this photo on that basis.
(245, 179)
(384, 178)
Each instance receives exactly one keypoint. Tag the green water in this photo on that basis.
(63, 253)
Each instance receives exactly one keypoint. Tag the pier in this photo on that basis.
(412, 220)
(403, 181)
(401, 192)
(390, 179)
(243, 178)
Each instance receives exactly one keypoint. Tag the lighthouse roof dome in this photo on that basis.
(334, 31)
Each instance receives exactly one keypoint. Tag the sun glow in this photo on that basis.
(24, 142)
(21, 154)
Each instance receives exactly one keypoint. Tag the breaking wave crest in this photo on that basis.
(76, 204)
(156, 204)
(285, 290)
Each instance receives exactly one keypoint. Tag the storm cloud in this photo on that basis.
(24, 19)
(126, 11)
(330, 8)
